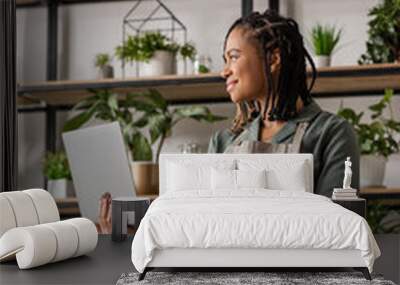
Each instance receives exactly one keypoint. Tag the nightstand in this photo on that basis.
(357, 205)
(122, 209)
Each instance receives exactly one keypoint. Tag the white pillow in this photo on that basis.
(223, 179)
(280, 175)
(183, 175)
(291, 179)
(230, 180)
(251, 178)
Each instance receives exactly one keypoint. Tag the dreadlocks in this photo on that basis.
(273, 32)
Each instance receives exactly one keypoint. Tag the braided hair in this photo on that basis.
(273, 32)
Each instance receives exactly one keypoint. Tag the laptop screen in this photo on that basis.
(99, 164)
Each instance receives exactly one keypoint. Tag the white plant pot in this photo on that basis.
(322, 60)
(162, 63)
(372, 170)
(145, 177)
(60, 188)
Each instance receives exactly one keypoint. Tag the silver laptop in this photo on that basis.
(99, 164)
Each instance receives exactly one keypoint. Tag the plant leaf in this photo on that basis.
(140, 105)
(198, 113)
(142, 122)
(85, 103)
(113, 102)
(158, 124)
(157, 99)
(79, 120)
(140, 147)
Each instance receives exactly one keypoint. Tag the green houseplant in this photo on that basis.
(383, 43)
(103, 64)
(324, 41)
(377, 139)
(382, 218)
(145, 119)
(58, 174)
(102, 59)
(155, 51)
(104, 105)
(160, 119)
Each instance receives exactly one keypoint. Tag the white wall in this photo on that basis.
(87, 29)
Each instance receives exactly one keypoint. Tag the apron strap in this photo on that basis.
(237, 146)
(294, 147)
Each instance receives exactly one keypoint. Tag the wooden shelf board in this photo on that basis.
(179, 89)
(333, 81)
(380, 190)
(390, 196)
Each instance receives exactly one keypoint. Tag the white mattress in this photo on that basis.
(255, 218)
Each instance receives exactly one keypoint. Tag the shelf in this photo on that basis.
(380, 193)
(331, 82)
(179, 89)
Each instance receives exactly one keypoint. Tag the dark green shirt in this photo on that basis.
(328, 137)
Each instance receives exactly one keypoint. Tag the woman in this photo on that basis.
(265, 73)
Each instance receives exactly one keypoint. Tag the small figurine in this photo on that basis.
(345, 193)
(347, 174)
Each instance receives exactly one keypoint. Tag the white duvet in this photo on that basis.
(255, 218)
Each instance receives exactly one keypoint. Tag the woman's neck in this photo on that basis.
(261, 102)
(269, 129)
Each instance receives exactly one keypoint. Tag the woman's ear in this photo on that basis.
(275, 61)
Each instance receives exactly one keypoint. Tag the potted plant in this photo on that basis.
(160, 121)
(150, 123)
(202, 64)
(188, 50)
(57, 172)
(155, 52)
(383, 44)
(103, 64)
(376, 139)
(324, 41)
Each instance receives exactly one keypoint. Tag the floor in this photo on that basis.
(102, 266)
(110, 259)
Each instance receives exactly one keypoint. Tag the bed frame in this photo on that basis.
(248, 259)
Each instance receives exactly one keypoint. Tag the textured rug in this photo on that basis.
(243, 278)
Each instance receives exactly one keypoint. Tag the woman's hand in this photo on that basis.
(104, 225)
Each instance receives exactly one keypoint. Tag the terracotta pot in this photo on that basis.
(145, 177)
(372, 170)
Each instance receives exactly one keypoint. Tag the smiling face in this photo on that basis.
(244, 70)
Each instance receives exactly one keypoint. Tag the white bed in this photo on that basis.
(247, 210)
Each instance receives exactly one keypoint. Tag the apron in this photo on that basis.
(248, 146)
